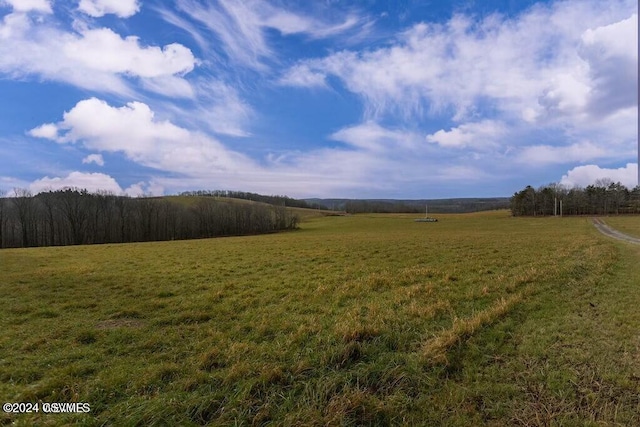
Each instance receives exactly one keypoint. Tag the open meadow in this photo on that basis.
(478, 319)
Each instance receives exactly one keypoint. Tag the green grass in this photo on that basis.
(358, 320)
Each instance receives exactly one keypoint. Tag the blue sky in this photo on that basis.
(361, 99)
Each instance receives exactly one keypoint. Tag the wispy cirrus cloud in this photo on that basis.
(371, 136)
(241, 27)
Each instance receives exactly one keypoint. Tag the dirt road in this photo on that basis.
(612, 232)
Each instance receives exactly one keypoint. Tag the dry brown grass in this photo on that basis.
(435, 349)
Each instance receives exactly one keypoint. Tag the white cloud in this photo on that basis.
(236, 27)
(240, 26)
(95, 59)
(302, 76)
(92, 182)
(556, 84)
(578, 152)
(134, 131)
(377, 158)
(170, 86)
(588, 174)
(47, 131)
(94, 158)
(377, 161)
(479, 134)
(612, 54)
(221, 108)
(43, 6)
(560, 71)
(290, 23)
(138, 189)
(461, 173)
(373, 137)
(174, 19)
(103, 50)
(217, 107)
(98, 8)
(535, 65)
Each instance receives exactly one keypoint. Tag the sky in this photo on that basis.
(358, 99)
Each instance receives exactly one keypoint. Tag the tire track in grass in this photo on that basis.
(612, 232)
(435, 349)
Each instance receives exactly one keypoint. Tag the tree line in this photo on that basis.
(604, 197)
(74, 216)
(272, 200)
(418, 206)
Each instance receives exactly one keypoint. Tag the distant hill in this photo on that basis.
(302, 213)
(459, 205)
(254, 197)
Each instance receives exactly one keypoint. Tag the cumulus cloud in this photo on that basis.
(94, 158)
(47, 131)
(91, 58)
(103, 50)
(43, 6)
(480, 134)
(98, 8)
(92, 182)
(583, 176)
(612, 54)
(133, 130)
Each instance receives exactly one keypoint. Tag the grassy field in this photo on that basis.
(478, 319)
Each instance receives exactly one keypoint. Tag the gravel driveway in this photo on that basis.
(612, 232)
